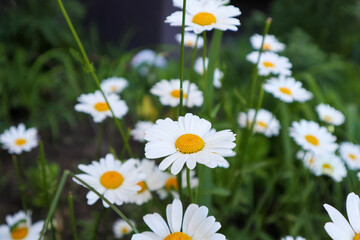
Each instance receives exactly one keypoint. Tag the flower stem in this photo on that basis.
(204, 66)
(188, 184)
(93, 74)
(20, 182)
(72, 216)
(182, 59)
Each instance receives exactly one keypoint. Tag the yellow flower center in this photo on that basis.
(111, 180)
(124, 230)
(176, 94)
(357, 237)
(266, 47)
(262, 124)
(172, 183)
(285, 90)
(329, 169)
(19, 233)
(189, 143)
(312, 140)
(189, 43)
(142, 185)
(204, 18)
(113, 88)
(327, 118)
(352, 156)
(20, 141)
(312, 161)
(101, 106)
(178, 236)
(268, 64)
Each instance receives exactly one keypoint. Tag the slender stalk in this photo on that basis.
(21, 184)
(204, 65)
(72, 216)
(182, 60)
(189, 185)
(179, 179)
(93, 74)
(106, 224)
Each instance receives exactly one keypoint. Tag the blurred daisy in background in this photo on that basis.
(292, 238)
(270, 63)
(330, 165)
(138, 133)
(116, 181)
(169, 93)
(95, 105)
(189, 141)
(206, 16)
(266, 123)
(312, 137)
(270, 43)
(190, 40)
(193, 225)
(199, 68)
(19, 227)
(330, 115)
(114, 85)
(122, 228)
(19, 139)
(287, 89)
(154, 180)
(339, 228)
(350, 153)
(171, 185)
(308, 159)
(148, 58)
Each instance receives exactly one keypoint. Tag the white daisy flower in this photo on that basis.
(206, 16)
(339, 228)
(147, 58)
(293, 238)
(19, 227)
(330, 115)
(169, 93)
(121, 228)
(171, 185)
(190, 40)
(138, 133)
(270, 63)
(19, 139)
(308, 159)
(116, 181)
(270, 43)
(310, 136)
(95, 105)
(188, 141)
(154, 180)
(114, 85)
(199, 68)
(330, 165)
(266, 123)
(350, 153)
(194, 225)
(287, 89)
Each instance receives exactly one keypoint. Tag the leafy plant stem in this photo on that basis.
(72, 216)
(21, 184)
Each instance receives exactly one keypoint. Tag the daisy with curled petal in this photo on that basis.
(189, 141)
(339, 228)
(154, 180)
(310, 136)
(270, 63)
(114, 85)
(199, 68)
(350, 153)
(169, 93)
(330, 165)
(116, 181)
(270, 43)
(287, 89)
(190, 40)
(193, 225)
(329, 114)
(293, 238)
(95, 105)
(122, 228)
(19, 139)
(19, 227)
(138, 133)
(171, 185)
(205, 16)
(266, 123)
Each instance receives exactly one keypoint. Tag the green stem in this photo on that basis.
(93, 74)
(182, 59)
(21, 184)
(204, 66)
(72, 216)
(179, 179)
(189, 185)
